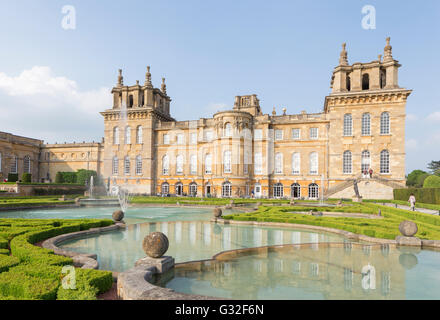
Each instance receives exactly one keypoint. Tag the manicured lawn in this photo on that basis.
(34, 273)
(12, 202)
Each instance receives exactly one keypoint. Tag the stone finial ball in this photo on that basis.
(118, 215)
(217, 212)
(155, 244)
(408, 228)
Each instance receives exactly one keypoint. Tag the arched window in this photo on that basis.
(347, 163)
(14, 165)
(139, 164)
(295, 191)
(384, 161)
(366, 82)
(127, 135)
(27, 164)
(130, 101)
(227, 165)
(115, 135)
(385, 123)
(314, 163)
(296, 163)
(383, 79)
(258, 163)
(193, 164)
(348, 83)
(278, 190)
(139, 138)
(313, 191)
(208, 164)
(365, 161)
(278, 163)
(127, 165)
(348, 125)
(115, 165)
(165, 165)
(165, 188)
(193, 189)
(228, 130)
(142, 99)
(179, 164)
(226, 190)
(366, 124)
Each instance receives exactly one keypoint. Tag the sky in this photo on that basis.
(54, 80)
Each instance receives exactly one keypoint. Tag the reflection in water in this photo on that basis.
(119, 250)
(292, 272)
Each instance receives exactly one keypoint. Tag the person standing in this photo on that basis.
(412, 202)
(371, 173)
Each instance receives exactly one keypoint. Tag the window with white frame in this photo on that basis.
(296, 163)
(127, 135)
(127, 165)
(278, 190)
(296, 133)
(365, 161)
(14, 165)
(226, 190)
(115, 135)
(258, 134)
(278, 163)
(295, 190)
(347, 163)
(165, 188)
(314, 163)
(166, 138)
(27, 164)
(384, 161)
(313, 133)
(179, 164)
(139, 137)
(366, 124)
(193, 189)
(227, 166)
(385, 123)
(313, 191)
(165, 165)
(180, 138)
(193, 164)
(138, 164)
(193, 138)
(348, 125)
(258, 163)
(278, 134)
(208, 164)
(246, 162)
(228, 130)
(115, 165)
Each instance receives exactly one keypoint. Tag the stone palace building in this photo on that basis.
(242, 152)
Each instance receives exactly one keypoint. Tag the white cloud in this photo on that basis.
(435, 116)
(41, 105)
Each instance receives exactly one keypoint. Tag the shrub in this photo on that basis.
(12, 177)
(83, 176)
(26, 177)
(412, 179)
(432, 182)
(66, 177)
(7, 262)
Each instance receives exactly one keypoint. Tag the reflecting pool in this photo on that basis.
(188, 241)
(322, 271)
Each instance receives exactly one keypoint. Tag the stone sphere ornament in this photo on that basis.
(217, 212)
(118, 215)
(408, 228)
(155, 244)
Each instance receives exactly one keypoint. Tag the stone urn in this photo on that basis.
(217, 212)
(118, 215)
(155, 244)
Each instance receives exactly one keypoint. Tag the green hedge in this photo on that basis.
(26, 177)
(65, 177)
(423, 195)
(58, 191)
(12, 177)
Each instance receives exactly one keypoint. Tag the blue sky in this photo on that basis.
(53, 82)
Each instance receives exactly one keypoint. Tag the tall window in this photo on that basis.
(227, 167)
(165, 165)
(296, 163)
(366, 82)
(366, 124)
(14, 164)
(226, 190)
(348, 125)
(165, 188)
(385, 123)
(115, 165)
(127, 165)
(130, 101)
(193, 189)
(258, 163)
(166, 138)
(348, 83)
(180, 138)
(208, 164)
(365, 161)
(384, 161)
(228, 130)
(246, 162)
(278, 134)
(313, 191)
(347, 163)
(314, 163)
(27, 164)
(115, 135)
(127, 135)
(296, 134)
(193, 164)
(278, 163)
(313, 133)
(138, 164)
(179, 164)
(278, 190)
(258, 134)
(139, 139)
(295, 191)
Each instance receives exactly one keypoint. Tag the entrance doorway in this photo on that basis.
(179, 189)
(257, 190)
(208, 191)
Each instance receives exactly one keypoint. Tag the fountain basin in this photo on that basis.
(99, 202)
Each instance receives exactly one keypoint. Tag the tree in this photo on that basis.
(421, 180)
(412, 178)
(434, 166)
(432, 182)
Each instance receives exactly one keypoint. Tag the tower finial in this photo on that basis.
(120, 78)
(274, 112)
(163, 87)
(388, 56)
(148, 78)
(343, 61)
